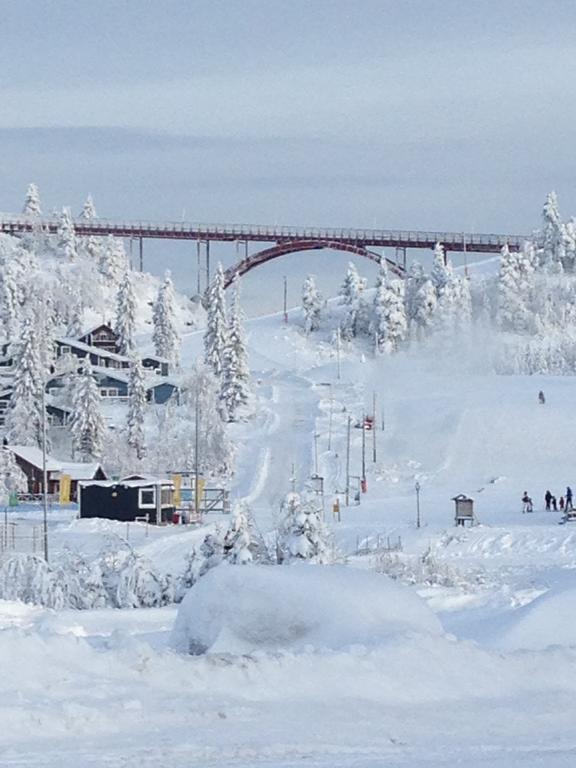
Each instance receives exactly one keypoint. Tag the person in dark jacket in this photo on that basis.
(547, 500)
(554, 505)
(527, 503)
(541, 398)
(569, 498)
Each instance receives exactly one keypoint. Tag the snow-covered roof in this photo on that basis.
(76, 470)
(138, 482)
(33, 455)
(92, 350)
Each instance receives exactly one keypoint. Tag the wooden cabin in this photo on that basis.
(131, 498)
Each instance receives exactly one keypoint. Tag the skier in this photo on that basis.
(541, 398)
(527, 503)
(561, 503)
(554, 504)
(569, 499)
(547, 499)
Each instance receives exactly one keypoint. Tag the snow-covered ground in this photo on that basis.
(496, 687)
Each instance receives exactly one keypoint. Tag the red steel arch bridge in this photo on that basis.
(284, 240)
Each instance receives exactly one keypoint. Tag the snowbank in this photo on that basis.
(235, 609)
(545, 622)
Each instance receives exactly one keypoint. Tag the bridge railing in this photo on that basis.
(137, 228)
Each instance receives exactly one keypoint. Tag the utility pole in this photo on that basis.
(197, 453)
(330, 419)
(285, 299)
(141, 254)
(338, 353)
(417, 489)
(363, 483)
(348, 434)
(374, 427)
(44, 476)
(198, 268)
(316, 436)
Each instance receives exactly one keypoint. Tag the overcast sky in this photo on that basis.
(408, 113)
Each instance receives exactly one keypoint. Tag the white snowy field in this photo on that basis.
(496, 686)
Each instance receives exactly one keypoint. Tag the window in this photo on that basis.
(147, 498)
(65, 350)
(109, 392)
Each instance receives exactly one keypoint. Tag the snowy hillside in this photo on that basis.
(312, 631)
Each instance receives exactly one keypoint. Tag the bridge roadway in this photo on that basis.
(381, 238)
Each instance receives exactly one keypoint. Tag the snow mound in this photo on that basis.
(545, 622)
(234, 609)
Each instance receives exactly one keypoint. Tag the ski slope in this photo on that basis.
(495, 688)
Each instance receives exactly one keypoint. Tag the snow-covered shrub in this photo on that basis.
(302, 534)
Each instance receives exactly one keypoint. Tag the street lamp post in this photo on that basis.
(417, 489)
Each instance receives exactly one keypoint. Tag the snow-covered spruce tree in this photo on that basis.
(87, 425)
(113, 262)
(414, 281)
(32, 205)
(9, 308)
(215, 336)
(463, 303)
(81, 581)
(425, 303)
(235, 379)
(311, 304)
(24, 416)
(570, 245)
(125, 314)
(515, 290)
(237, 542)
(88, 210)
(441, 269)
(302, 534)
(174, 445)
(552, 237)
(165, 335)
(351, 296)
(136, 409)
(67, 235)
(74, 325)
(390, 326)
(30, 579)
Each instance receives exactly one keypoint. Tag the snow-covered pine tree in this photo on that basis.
(24, 417)
(441, 269)
(165, 335)
(87, 425)
(125, 314)
(425, 303)
(67, 235)
(414, 281)
(136, 409)
(88, 210)
(463, 303)
(113, 262)
(237, 543)
(515, 290)
(311, 304)
(302, 534)
(139, 584)
(390, 326)
(552, 236)
(9, 301)
(351, 296)
(235, 379)
(32, 205)
(215, 336)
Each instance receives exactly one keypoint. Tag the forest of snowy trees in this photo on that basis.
(57, 286)
(527, 310)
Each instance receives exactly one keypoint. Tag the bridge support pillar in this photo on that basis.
(141, 253)
(400, 256)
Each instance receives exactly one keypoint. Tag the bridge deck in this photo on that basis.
(385, 238)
